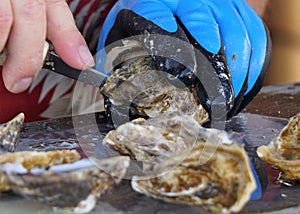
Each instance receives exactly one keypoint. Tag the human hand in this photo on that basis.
(24, 27)
(227, 27)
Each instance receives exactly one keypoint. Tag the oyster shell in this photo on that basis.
(9, 133)
(31, 159)
(74, 187)
(190, 164)
(284, 150)
(138, 89)
(154, 139)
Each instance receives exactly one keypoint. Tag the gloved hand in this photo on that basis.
(215, 27)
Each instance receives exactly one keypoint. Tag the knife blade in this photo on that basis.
(89, 76)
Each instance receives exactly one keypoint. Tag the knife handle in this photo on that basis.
(3, 54)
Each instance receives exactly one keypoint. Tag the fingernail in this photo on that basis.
(86, 56)
(21, 85)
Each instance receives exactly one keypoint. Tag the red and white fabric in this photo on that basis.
(51, 95)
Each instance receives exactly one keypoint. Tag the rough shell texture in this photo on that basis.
(9, 133)
(284, 150)
(138, 87)
(29, 160)
(191, 164)
(74, 187)
(152, 140)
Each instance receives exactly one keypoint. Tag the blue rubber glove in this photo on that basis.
(216, 27)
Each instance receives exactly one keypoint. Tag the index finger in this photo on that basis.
(64, 35)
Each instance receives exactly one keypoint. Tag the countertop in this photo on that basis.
(277, 101)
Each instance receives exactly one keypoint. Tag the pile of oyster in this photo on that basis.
(284, 150)
(186, 163)
(159, 126)
(62, 179)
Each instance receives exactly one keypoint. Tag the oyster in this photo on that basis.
(29, 160)
(154, 139)
(138, 89)
(284, 150)
(190, 164)
(74, 187)
(9, 133)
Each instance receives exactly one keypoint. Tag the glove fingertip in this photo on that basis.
(212, 45)
(199, 21)
(158, 13)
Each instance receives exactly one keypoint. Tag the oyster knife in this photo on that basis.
(90, 76)
(54, 63)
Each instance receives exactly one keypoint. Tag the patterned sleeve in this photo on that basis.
(89, 16)
(51, 95)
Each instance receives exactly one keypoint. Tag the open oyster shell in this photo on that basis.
(223, 184)
(190, 164)
(138, 89)
(284, 150)
(74, 187)
(9, 133)
(31, 159)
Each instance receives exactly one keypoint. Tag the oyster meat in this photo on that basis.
(137, 88)
(284, 150)
(74, 187)
(9, 133)
(191, 164)
(31, 159)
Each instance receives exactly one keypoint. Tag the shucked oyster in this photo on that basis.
(29, 160)
(192, 165)
(73, 187)
(284, 150)
(9, 133)
(138, 89)
(223, 184)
